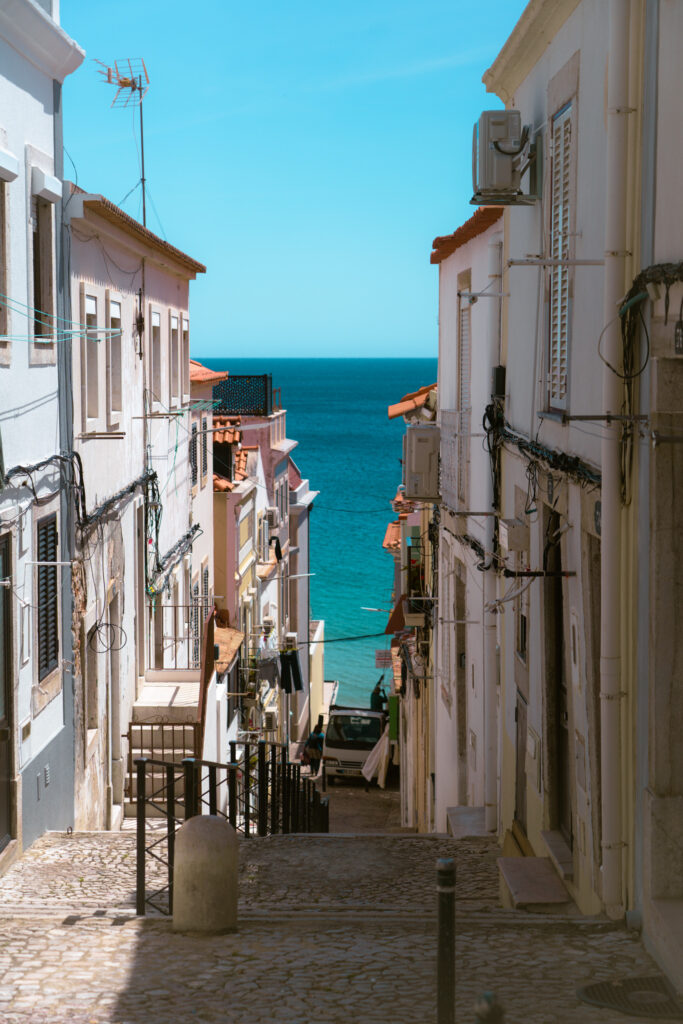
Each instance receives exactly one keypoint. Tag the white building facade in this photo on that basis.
(36, 489)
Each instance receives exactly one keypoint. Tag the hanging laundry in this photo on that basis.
(290, 670)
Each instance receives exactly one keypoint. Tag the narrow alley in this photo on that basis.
(339, 927)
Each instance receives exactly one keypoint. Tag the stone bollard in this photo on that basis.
(205, 876)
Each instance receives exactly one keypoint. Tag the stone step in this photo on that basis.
(531, 883)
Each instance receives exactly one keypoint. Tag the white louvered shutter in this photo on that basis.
(464, 407)
(559, 278)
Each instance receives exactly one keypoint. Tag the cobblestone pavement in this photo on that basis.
(332, 929)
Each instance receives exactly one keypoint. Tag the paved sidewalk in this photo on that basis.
(332, 929)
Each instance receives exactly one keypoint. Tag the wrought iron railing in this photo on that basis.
(175, 643)
(259, 792)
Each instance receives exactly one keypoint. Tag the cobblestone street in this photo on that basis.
(335, 929)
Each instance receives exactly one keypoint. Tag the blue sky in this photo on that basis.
(306, 152)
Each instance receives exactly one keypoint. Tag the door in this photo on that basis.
(520, 760)
(556, 677)
(5, 697)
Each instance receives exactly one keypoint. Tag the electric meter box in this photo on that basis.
(493, 170)
(421, 462)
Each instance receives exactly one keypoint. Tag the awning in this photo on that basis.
(396, 621)
(228, 641)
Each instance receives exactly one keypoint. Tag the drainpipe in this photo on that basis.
(610, 611)
(495, 253)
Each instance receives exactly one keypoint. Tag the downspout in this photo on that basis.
(495, 254)
(67, 541)
(612, 395)
(647, 212)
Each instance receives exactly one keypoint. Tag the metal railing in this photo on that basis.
(160, 743)
(259, 793)
(175, 640)
(244, 395)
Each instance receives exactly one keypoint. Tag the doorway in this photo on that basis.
(520, 760)
(556, 683)
(5, 698)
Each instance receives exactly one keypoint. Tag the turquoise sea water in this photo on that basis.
(350, 452)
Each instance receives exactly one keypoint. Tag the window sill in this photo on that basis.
(555, 415)
(44, 692)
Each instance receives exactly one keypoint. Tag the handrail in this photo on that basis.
(207, 664)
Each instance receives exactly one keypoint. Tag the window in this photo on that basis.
(193, 453)
(559, 276)
(464, 324)
(43, 292)
(185, 357)
(205, 453)
(175, 361)
(156, 357)
(205, 592)
(91, 358)
(47, 597)
(522, 612)
(92, 688)
(196, 627)
(245, 530)
(114, 361)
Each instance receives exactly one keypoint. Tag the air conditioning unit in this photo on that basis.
(270, 721)
(291, 641)
(273, 517)
(495, 143)
(421, 462)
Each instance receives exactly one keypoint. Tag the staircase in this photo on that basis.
(164, 727)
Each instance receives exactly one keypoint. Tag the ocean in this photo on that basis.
(349, 451)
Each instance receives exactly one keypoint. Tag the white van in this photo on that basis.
(350, 736)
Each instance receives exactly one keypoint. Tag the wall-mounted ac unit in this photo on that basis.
(500, 156)
(273, 517)
(291, 641)
(421, 462)
(270, 721)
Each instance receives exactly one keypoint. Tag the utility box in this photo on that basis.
(421, 462)
(495, 145)
(513, 535)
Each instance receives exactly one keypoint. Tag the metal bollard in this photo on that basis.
(487, 1009)
(445, 969)
(141, 841)
(262, 820)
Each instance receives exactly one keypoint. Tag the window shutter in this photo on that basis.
(193, 453)
(205, 455)
(560, 250)
(464, 400)
(205, 591)
(48, 618)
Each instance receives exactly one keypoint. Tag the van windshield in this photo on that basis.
(355, 732)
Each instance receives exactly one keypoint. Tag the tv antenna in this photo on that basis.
(132, 81)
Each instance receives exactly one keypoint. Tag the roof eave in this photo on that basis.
(539, 23)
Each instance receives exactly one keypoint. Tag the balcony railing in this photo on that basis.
(242, 395)
(175, 639)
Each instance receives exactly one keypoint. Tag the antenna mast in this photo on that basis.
(132, 82)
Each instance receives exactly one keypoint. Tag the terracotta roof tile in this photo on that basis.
(401, 504)
(396, 622)
(226, 430)
(229, 642)
(200, 374)
(221, 483)
(411, 402)
(445, 245)
(108, 211)
(392, 538)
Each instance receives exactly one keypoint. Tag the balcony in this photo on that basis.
(242, 395)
